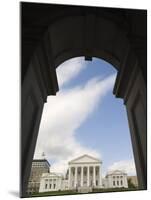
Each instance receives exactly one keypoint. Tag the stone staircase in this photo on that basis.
(84, 189)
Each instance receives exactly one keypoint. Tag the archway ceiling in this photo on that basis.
(81, 31)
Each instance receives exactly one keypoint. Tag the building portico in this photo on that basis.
(85, 172)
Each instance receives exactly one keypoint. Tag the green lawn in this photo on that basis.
(114, 190)
(71, 192)
(54, 193)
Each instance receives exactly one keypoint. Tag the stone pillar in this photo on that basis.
(100, 176)
(52, 185)
(39, 80)
(131, 86)
(75, 177)
(69, 178)
(81, 176)
(88, 176)
(94, 176)
(125, 181)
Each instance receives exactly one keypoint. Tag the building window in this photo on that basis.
(45, 186)
(50, 186)
(117, 182)
(114, 183)
(113, 176)
(121, 182)
(54, 185)
(96, 182)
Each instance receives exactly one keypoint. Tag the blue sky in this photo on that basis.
(107, 128)
(97, 124)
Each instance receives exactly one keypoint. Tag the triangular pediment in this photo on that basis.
(85, 159)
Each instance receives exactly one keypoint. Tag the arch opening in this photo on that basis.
(100, 32)
(80, 85)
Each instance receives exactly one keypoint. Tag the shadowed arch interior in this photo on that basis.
(52, 34)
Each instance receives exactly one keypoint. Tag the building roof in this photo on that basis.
(85, 159)
(51, 174)
(116, 172)
(41, 160)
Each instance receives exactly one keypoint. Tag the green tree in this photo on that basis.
(130, 183)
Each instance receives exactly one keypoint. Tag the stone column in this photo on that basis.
(69, 178)
(88, 176)
(75, 177)
(81, 176)
(125, 181)
(52, 184)
(100, 176)
(94, 177)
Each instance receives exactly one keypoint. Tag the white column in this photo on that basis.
(69, 178)
(75, 177)
(94, 177)
(81, 176)
(125, 181)
(52, 185)
(100, 176)
(88, 176)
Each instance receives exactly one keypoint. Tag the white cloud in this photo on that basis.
(63, 114)
(69, 70)
(125, 165)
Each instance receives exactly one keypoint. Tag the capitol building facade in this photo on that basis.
(84, 175)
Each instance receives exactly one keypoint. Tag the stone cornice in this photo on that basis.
(86, 164)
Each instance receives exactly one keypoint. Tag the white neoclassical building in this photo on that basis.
(85, 172)
(52, 182)
(116, 179)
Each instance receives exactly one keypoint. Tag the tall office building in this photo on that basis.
(39, 166)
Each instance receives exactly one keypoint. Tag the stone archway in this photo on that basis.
(52, 34)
